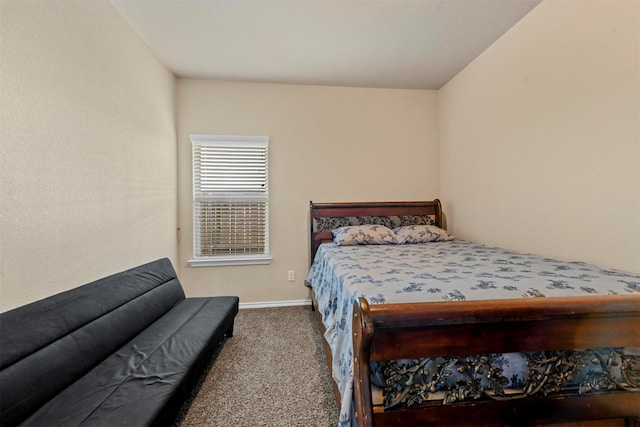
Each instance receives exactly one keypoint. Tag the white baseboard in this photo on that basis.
(269, 304)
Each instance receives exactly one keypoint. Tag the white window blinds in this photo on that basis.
(230, 198)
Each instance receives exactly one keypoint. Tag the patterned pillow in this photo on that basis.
(369, 234)
(421, 234)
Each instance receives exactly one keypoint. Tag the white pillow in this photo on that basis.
(421, 234)
(369, 234)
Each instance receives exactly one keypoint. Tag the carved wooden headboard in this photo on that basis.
(326, 217)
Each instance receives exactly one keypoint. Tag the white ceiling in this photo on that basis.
(413, 44)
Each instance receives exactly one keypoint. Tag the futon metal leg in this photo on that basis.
(229, 332)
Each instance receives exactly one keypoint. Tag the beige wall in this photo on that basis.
(540, 136)
(327, 144)
(87, 154)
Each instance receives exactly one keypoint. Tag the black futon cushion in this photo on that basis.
(146, 372)
(117, 351)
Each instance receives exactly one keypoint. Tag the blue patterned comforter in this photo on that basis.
(438, 271)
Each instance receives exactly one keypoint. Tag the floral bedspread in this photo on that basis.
(446, 271)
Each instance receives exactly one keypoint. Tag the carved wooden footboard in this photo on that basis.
(407, 331)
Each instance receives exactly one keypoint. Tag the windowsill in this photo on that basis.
(230, 260)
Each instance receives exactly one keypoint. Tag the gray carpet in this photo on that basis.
(272, 372)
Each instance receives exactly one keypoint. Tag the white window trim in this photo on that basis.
(226, 261)
(213, 261)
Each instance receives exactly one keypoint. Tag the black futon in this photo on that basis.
(123, 350)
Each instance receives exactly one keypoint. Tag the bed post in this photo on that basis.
(311, 251)
(362, 334)
(439, 219)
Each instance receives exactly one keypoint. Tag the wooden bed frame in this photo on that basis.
(412, 330)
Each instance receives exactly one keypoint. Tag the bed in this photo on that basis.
(455, 333)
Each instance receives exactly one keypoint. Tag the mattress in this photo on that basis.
(455, 271)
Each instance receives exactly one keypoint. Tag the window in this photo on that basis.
(230, 200)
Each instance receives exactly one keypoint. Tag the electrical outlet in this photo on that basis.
(291, 275)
